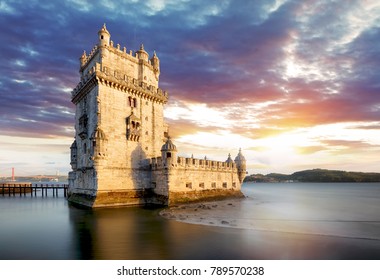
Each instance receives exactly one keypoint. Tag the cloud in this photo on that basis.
(306, 150)
(349, 144)
(370, 126)
(258, 69)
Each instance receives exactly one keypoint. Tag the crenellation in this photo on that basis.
(204, 164)
(85, 59)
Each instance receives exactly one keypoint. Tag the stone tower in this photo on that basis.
(122, 154)
(119, 124)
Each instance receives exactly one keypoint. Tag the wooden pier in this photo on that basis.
(14, 188)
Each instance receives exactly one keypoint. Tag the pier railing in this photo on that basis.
(13, 189)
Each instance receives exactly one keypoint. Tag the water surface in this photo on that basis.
(290, 221)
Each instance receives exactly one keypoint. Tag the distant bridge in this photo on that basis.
(13, 188)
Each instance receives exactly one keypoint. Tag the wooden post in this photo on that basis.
(19, 188)
(3, 190)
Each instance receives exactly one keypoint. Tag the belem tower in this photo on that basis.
(122, 153)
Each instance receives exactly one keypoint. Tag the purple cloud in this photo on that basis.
(219, 53)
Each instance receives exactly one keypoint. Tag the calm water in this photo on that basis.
(292, 221)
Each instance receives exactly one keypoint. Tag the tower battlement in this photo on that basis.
(116, 79)
(131, 55)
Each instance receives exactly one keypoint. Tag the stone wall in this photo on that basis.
(187, 179)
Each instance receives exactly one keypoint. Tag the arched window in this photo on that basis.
(134, 102)
(168, 155)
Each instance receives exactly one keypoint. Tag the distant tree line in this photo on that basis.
(316, 175)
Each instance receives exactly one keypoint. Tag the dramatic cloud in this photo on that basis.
(256, 72)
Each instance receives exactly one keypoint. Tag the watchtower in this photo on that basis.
(119, 124)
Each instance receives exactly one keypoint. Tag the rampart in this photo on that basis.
(189, 179)
(192, 163)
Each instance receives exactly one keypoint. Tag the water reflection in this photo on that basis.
(49, 228)
(140, 233)
(136, 233)
(118, 233)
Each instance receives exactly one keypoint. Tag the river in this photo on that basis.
(275, 221)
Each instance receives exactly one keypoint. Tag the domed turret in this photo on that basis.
(73, 155)
(156, 64)
(98, 134)
(98, 139)
(104, 36)
(169, 153)
(142, 54)
(241, 166)
(240, 157)
(229, 159)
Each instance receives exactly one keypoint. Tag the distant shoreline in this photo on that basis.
(317, 176)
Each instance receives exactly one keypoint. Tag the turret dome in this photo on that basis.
(99, 134)
(239, 157)
(142, 54)
(73, 145)
(103, 30)
(104, 36)
(168, 146)
(229, 159)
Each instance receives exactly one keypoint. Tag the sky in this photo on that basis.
(294, 84)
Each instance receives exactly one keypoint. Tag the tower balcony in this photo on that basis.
(133, 134)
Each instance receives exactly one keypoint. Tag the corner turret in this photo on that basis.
(229, 159)
(104, 36)
(142, 54)
(73, 155)
(169, 153)
(156, 64)
(241, 166)
(98, 139)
